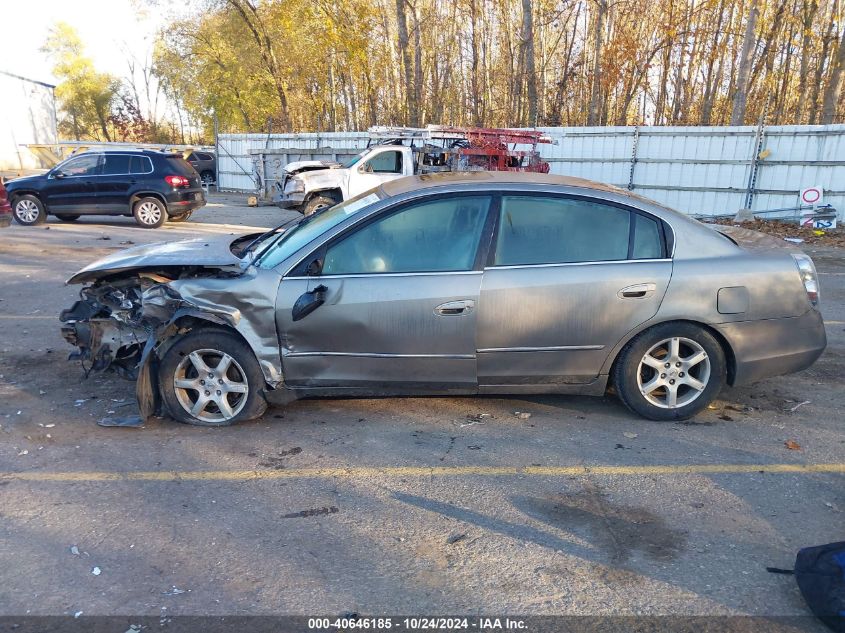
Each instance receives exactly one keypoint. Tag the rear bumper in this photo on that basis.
(774, 347)
(185, 200)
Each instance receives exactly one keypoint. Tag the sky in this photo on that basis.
(108, 28)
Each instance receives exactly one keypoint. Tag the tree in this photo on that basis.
(834, 88)
(740, 97)
(86, 97)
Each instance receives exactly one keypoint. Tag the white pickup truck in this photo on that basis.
(312, 185)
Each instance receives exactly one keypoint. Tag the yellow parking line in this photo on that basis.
(421, 471)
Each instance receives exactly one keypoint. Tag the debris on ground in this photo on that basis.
(130, 421)
(454, 537)
(726, 417)
(311, 513)
(173, 591)
(630, 435)
(74, 550)
(795, 408)
(23, 452)
(522, 415)
(741, 409)
(96, 571)
(792, 445)
(476, 418)
(790, 231)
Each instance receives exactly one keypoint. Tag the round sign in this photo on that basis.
(811, 195)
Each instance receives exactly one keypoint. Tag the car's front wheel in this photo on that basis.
(210, 377)
(29, 210)
(150, 213)
(670, 372)
(318, 202)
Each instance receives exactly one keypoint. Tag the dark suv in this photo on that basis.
(152, 186)
(206, 165)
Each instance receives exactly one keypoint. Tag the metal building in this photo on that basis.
(698, 170)
(27, 115)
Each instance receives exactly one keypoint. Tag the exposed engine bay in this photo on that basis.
(135, 304)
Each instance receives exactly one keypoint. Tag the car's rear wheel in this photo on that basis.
(670, 372)
(207, 178)
(318, 202)
(29, 210)
(210, 377)
(180, 217)
(67, 217)
(150, 213)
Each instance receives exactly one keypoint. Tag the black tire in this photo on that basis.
(210, 344)
(318, 202)
(632, 375)
(28, 210)
(67, 217)
(182, 217)
(146, 216)
(207, 178)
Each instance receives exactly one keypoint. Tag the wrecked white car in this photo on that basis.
(473, 283)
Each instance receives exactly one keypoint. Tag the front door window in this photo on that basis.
(437, 236)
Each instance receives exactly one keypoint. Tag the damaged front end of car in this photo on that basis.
(131, 311)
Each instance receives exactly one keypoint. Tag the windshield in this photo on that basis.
(312, 227)
(352, 161)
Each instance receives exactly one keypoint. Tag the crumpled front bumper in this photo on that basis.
(289, 200)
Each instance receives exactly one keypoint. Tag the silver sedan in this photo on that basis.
(476, 283)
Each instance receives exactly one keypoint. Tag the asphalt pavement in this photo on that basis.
(388, 506)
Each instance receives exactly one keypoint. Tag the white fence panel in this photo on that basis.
(698, 170)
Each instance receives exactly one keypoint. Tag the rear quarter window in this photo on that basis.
(180, 166)
(140, 165)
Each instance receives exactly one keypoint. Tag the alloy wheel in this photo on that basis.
(149, 213)
(210, 385)
(673, 373)
(27, 211)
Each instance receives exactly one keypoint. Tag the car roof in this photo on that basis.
(424, 181)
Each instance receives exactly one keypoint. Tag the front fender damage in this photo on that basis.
(126, 324)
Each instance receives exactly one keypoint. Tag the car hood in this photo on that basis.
(204, 252)
(24, 180)
(300, 165)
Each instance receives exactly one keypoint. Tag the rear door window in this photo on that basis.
(559, 230)
(116, 164)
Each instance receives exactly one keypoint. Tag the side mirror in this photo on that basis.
(308, 302)
(366, 168)
(314, 268)
(58, 174)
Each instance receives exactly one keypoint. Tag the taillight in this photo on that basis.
(177, 181)
(807, 272)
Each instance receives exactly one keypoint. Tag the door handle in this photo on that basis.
(637, 291)
(455, 308)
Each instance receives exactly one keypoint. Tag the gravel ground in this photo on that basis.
(395, 505)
